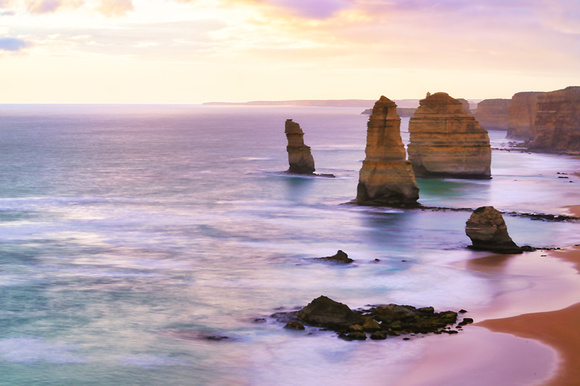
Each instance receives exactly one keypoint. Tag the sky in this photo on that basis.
(195, 51)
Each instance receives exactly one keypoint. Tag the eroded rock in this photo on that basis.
(488, 231)
(299, 155)
(340, 258)
(325, 312)
(557, 123)
(493, 114)
(386, 177)
(446, 141)
(376, 322)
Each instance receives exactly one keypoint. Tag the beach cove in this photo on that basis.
(129, 232)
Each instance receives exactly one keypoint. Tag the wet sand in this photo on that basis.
(528, 334)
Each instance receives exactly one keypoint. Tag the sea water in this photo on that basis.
(130, 232)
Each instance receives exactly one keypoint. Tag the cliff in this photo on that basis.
(299, 155)
(446, 141)
(386, 177)
(493, 114)
(465, 105)
(557, 123)
(522, 115)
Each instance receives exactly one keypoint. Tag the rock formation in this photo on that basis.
(377, 321)
(488, 232)
(493, 114)
(445, 141)
(522, 115)
(299, 156)
(557, 123)
(465, 105)
(339, 258)
(386, 177)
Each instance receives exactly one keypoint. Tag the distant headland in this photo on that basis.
(366, 103)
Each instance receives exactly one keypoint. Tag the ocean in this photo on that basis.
(129, 233)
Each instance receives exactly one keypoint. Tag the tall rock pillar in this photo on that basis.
(299, 155)
(386, 177)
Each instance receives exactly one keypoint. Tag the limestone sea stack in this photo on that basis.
(386, 177)
(488, 231)
(446, 141)
(557, 122)
(299, 155)
(492, 114)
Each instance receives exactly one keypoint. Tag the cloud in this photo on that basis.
(13, 44)
(115, 8)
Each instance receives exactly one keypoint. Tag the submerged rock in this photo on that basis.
(299, 155)
(340, 257)
(386, 177)
(447, 141)
(488, 232)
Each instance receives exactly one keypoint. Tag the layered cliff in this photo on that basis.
(557, 122)
(493, 114)
(299, 155)
(446, 141)
(522, 115)
(386, 177)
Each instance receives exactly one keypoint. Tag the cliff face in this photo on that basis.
(493, 114)
(557, 123)
(299, 156)
(386, 177)
(465, 105)
(446, 141)
(522, 115)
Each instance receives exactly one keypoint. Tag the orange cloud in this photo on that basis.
(115, 8)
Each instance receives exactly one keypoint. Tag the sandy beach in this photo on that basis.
(528, 334)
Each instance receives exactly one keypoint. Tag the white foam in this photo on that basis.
(30, 350)
(147, 361)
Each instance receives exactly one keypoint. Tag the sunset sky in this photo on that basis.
(193, 51)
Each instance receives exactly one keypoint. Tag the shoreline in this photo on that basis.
(527, 334)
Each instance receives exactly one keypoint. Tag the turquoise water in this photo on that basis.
(127, 230)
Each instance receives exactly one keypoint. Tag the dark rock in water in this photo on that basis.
(325, 312)
(299, 155)
(379, 335)
(340, 257)
(377, 321)
(465, 322)
(294, 326)
(353, 336)
(488, 232)
(196, 335)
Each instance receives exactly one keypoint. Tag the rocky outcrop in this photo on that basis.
(493, 114)
(339, 258)
(377, 322)
(522, 115)
(445, 141)
(299, 155)
(488, 232)
(386, 177)
(557, 123)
